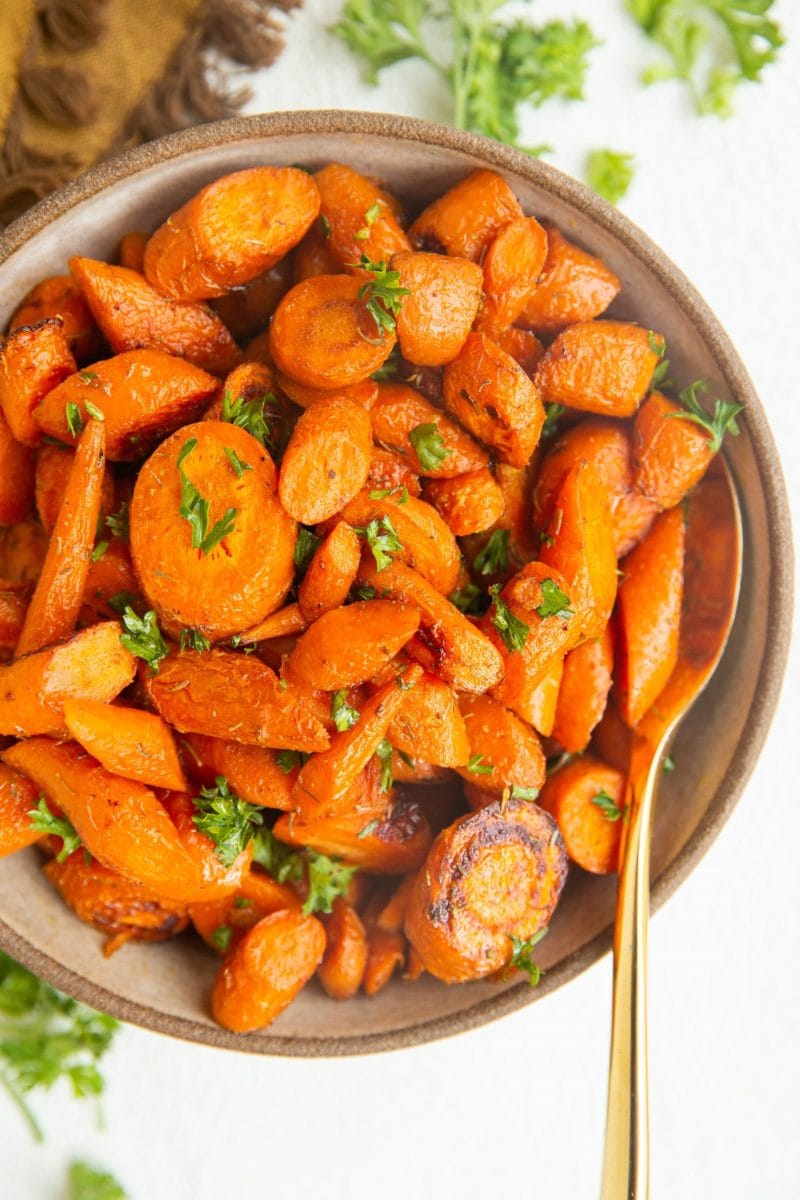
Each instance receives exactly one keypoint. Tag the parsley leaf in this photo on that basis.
(607, 805)
(610, 173)
(85, 1182)
(74, 418)
(238, 465)
(143, 637)
(369, 828)
(43, 821)
(723, 421)
(658, 344)
(490, 67)
(122, 600)
(370, 217)
(305, 547)
(251, 415)
(221, 937)
(119, 522)
(343, 715)
(513, 631)
(193, 639)
(524, 793)
(711, 45)
(552, 413)
(554, 601)
(282, 862)
(669, 765)
(45, 1036)
(493, 558)
(327, 879)
(287, 760)
(194, 509)
(99, 551)
(429, 446)
(469, 599)
(521, 956)
(382, 295)
(382, 540)
(476, 765)
(384, 757)
(226, 819)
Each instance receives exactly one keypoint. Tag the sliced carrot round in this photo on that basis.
(326, 461)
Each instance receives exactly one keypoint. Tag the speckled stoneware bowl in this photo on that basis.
(166, 987)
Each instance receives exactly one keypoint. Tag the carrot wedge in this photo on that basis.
(137, 745)
(234, 696)
(35, 359)
(323, 785)
(392, 846)
(121, 823)
(92, 665)
(18, 797)
(56, 602)
(342, 968)
(252, 772)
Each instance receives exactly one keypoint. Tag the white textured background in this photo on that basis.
(518, 1107)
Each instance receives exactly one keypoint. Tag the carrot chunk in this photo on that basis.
(573, 286)
(136, 745)
(34, 360)
(598, 366)
(326, 461)
(587, 799)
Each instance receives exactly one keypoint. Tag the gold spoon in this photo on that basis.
(713, 569)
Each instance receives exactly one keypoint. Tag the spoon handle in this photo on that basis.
(626, 1163)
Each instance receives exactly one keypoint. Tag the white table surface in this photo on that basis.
(518, 1107)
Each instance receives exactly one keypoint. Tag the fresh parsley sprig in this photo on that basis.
(193, 639)
(382, 296)
(429, 446)
(476, 765)
(227, 819)
(194, 509)
(384, 757)
(607, 805)
(513, 631)
(724, 417)
(493, 558)
(610, 173)
(143, 637)
(381, 537)
(119, 522)
(44, 1037)
(46, 822)
(343, 715)
(522, 956)
(252, 415)
(85, 1182)
(326, 877)
(555, 603)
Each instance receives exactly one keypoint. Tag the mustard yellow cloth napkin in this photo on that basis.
(80, 79)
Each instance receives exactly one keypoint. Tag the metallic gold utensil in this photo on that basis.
(713, 568)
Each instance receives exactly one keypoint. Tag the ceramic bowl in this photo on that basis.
(166, 987)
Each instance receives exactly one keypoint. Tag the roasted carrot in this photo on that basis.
(133, 315)
(400, 527)
(314, 256)
(543, 700)
(598, 366)
(467, 218)
(504, 751)
(649, 610)
(229, 233)
(357, 217)
(349, 645)
(670, 454)
(56, 601)
(573, 286)
(469, 503)
(246, 311)
(606, 444)
(579, 542)
(536, 598)
(448, 644)
(511, 268)
(331, 572)
(23, 546)
(324, 781)
(587, 799)
(323, 334)
(405, 422)
(430, 725)
(119, 908)
(13, 606)
(389, 472)
(491, 877)
(443, 301)
(120, 822)
(266, 970)
(218, 878)
(222, 922)
(137, 745)
(392, 917)
(34, 360)
(326, 461)
(130, 251)
(58, 297)
(221, 568)
(584, 691)
(493, 398)
(232, 696)
(612, 738)
(53, 466)
(386, 952)
(18, 798)
(522, 345)
(16, 477)
(342, 967)
(110, 577)
(390, 844)
(364, 393)
(252, 772)
(142, 394)
(282, 624)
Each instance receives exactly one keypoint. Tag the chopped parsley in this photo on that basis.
(493, 558)
(142, 636)
(382, 295)
(607, 805)
(476, 765)
(343, 715)
(194, 509)
(513, 631)
(555, 603)
(226, 819)
(429, 446)
(45, 822)
(522, 956)
(381, 537)
(384, 757)
(193, 639)
(723, 421)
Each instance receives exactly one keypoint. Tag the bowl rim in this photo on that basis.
(773, 663)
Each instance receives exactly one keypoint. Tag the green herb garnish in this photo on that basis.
(193, 639)
(194, 509)
(143, 637)
(238, 465)
(226, 819)
(521, 956)
(382, 295)
(610, 173)
(513, 631)
(493, 558)
(555, 603)
(723, 421)
(381, 537)
(45, 822)
(384, 757)
(607, 805)
(476, 765)
(343, 715)
(429, 446)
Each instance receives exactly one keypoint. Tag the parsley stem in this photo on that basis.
(22, 1105)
